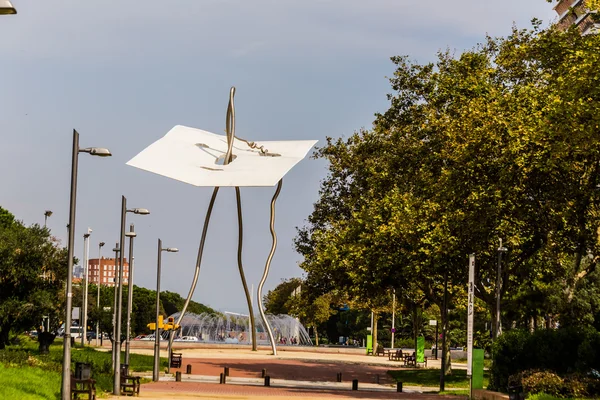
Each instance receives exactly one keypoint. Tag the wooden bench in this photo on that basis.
(395, 355)
(410, 360)
(381, 351)
(130, 385)
(83, 386)
(176, 359)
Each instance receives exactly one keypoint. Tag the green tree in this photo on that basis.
(276, 300)
(32, 275)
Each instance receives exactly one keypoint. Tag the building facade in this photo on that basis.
(102, 271)
(575, 12)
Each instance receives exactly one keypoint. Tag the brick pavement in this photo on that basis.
(289, 369)
(213, 390)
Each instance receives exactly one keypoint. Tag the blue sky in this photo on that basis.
(124, 73)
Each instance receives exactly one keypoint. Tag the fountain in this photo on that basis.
(234, 328)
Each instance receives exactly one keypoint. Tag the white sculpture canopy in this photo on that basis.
(195, 156)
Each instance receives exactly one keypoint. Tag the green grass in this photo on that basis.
(431, 378)
(25, 382)
(25, 374)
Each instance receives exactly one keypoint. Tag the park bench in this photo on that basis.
(381, 351)
(395, 355)
(410, 360)
(83, 386)
(130, 385)
(176, 359)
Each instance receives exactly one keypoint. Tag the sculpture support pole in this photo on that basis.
(198, 259)
(266, 272)
(241, 268)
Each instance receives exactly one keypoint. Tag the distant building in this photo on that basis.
(575, 12)
(103, 271)
(78, 271)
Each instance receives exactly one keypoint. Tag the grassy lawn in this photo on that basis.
(431, 378)
(28, 375)
(25, 382)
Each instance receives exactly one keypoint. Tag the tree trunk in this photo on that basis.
(45, 339)
(375, 344)
(316, 336)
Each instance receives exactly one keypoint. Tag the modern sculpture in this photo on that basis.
(203, 158)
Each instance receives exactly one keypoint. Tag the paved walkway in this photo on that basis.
(306, 374)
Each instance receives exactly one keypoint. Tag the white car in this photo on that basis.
(149, 337)
(187, 339)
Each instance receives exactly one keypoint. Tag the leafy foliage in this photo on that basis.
(32, 272)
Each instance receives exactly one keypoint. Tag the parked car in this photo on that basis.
(139, 337)
(187, 339)
(149, 337)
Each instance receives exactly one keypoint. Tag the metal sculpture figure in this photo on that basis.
(159, 158)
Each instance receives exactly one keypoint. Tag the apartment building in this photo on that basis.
(575, 12)
(103, 271)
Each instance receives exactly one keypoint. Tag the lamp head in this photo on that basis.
(97, 151)
(172, 249)
(140, 211)
(130, 234)
(101, 244)
(47, 213)
(7, 8)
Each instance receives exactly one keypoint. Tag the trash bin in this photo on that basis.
(124, 369)
(516, 392)
(72, 341)
(83, 370)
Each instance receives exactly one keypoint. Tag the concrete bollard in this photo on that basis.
(399, 387)
(267, 380)
(189, 369)
(226, 371)
(355, 384)
(178, 376)
(264, 373)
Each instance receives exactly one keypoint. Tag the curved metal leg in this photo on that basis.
(241, 268)
(267, 266)
(198, 261)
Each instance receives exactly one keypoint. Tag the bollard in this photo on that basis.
(178, 376)
(226, 371)
(399, 387)
(189, 369)
(355, 384)
(264, 373)
(339, 376)
(377, 379)
(222, 379)
(267, 380)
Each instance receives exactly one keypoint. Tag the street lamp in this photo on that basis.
(119, 305)
(6, 8)
(157, 330)
(131, 234)
(100, 245)
(66, 369)
(500, 250)
(86, 262)
(47, 214)
(114, 309)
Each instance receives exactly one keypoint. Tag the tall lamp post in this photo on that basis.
(114, 308)
(119, 305)
(47, 214)
(6, 7)
(100, 245)
(131, 234)
(85, 281)
(501, 249)
(157, 331)
(66, 369)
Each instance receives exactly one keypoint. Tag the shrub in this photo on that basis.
(562, 351)
(543, 382)
(14, 357)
